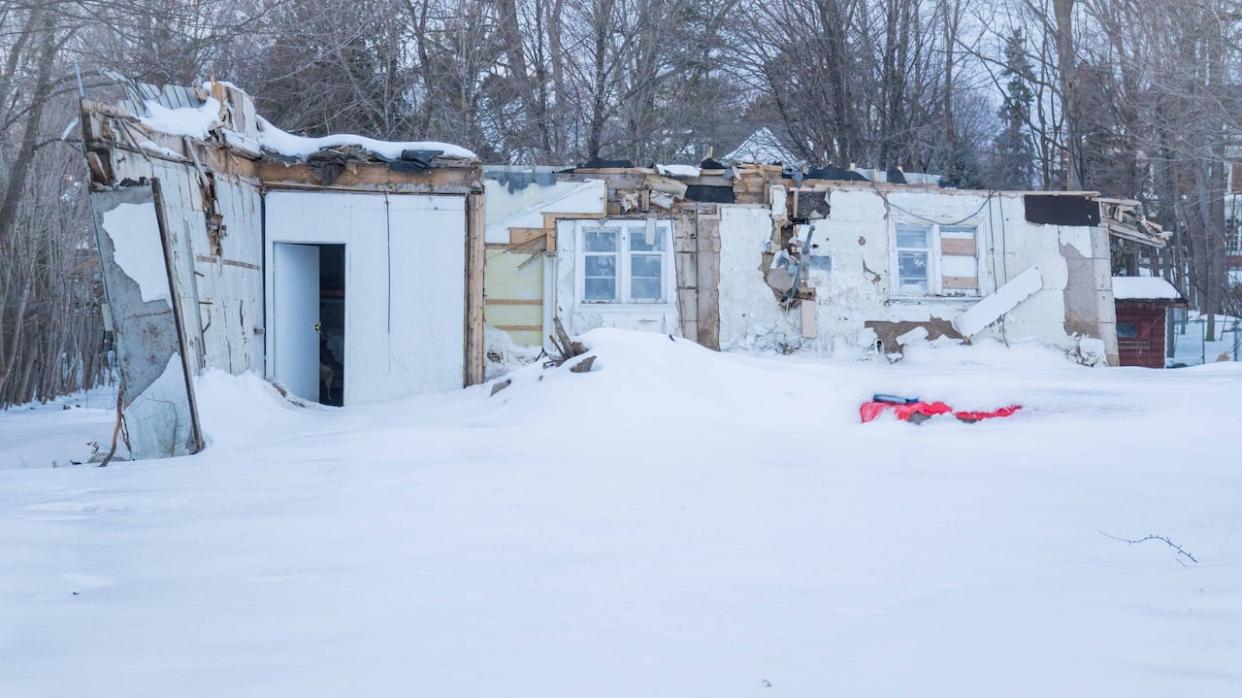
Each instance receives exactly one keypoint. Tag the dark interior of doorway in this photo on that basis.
(332, 324)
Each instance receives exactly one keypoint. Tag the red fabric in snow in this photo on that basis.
(871, 409)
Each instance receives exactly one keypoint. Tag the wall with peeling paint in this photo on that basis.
(224, 280)
(855, 287)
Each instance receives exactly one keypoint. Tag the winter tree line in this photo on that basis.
(1133, 98)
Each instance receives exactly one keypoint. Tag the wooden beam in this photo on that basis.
(522, 236)
(515, 301)
(475, 261)
(374, 175)
(550, 219)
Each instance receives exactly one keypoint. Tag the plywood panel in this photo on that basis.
(957, 246)
(959, 282)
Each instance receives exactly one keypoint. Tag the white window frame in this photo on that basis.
(624, 227)
(935, 276)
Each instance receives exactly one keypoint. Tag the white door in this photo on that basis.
(295, 301)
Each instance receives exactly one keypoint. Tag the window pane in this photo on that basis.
(638, 239)
(645, 288)
(600, 241)
(645, 265)
(601, 265)
(912, 270)
(1127, 330)
(601, 289)
(912, 236)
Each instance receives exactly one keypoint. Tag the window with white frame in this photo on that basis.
(625, 262)
(930, 259)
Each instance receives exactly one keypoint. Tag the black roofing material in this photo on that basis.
(709, 194)
(712, 164)
(834, 172)
(600, 164)
(1061, 209)
(895, 176)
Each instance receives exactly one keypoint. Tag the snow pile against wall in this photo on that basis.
(1143, 288)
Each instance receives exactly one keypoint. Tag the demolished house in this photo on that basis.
(764, 257)
(346, 270)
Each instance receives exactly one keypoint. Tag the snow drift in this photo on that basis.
(675, 522)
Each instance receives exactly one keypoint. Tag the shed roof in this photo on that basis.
(1146, 288)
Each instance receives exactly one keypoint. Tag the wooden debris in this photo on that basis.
(565, 346)
(583, 366)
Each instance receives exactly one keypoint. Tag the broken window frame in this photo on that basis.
(628, 232)
(935, 261)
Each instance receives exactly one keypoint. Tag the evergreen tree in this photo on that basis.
(1014, 152)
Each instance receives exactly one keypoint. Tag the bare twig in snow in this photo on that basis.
(1163, 539)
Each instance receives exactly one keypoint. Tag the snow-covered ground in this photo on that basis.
(675, 523)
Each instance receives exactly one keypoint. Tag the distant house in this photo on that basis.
(762, 147)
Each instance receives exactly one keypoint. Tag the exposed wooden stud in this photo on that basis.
(475, 262)
(515, 301)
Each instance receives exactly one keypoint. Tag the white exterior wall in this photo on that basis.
(405, 284)
(857, 236)
(580, 317)
(524, 208)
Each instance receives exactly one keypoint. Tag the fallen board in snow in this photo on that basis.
(1006, 298)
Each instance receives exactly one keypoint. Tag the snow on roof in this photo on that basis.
(284, 143)
(180, 111)
(195, 122)
(1143, 288)
(679, 170)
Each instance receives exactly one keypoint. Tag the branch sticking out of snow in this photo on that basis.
(1163, 539)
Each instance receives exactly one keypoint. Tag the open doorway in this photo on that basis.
(308, 298)
(332, 324)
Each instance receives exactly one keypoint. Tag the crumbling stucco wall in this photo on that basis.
(855, 289)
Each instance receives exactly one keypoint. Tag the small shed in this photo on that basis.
(345, 269)
(1142, 308)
